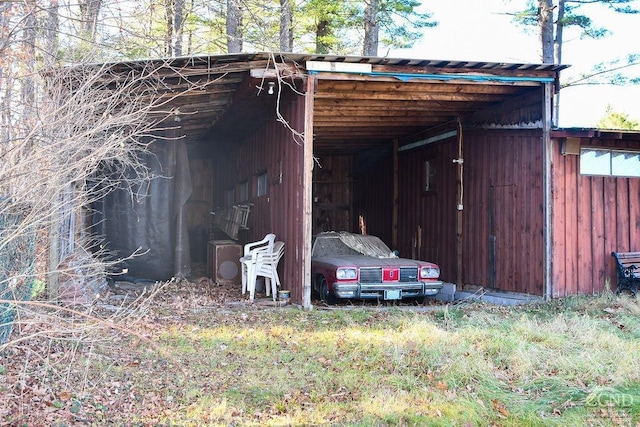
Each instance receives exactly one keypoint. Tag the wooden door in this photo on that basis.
(503, 237)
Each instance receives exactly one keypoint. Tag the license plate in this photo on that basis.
(393, 294)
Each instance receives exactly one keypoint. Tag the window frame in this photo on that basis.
(262, 184)
(429, 175)
(610, 152)
(243, 191)
(230, 197)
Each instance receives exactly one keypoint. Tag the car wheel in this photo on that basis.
(325, 293)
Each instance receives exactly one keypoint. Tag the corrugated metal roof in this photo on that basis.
(374, 60)
(578, 132)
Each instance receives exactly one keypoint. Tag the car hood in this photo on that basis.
(365, 261)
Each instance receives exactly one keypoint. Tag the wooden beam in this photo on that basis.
(307, 171)
(400, 104)
(374, 115)
(394, 220)
(341, 115)
(547, 159)
(459, 209)
(283, 71)
(397, 86)
(379, 121)
(412, 96)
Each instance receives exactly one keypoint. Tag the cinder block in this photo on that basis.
(447, 293)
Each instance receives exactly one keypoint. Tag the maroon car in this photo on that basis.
(353, 266)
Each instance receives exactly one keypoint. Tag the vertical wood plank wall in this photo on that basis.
(274, 150)
(593, 216)
(373, 200)
(503, 215)
(426, 220)
(503, 210)
(332, 194)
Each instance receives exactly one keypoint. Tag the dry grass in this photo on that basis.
(192, 358)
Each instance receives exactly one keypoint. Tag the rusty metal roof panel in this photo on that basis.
(301, 58)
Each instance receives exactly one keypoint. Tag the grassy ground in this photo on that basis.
(569, 362)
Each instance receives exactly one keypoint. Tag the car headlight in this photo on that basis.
(346, 273)
(429, 272)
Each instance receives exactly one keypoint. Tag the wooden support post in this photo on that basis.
(307, 191)
(547, 156)
(459, 209)
(394, 225)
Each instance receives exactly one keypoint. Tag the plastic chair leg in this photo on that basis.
(251, 284)
(274, 287)
(244, 278)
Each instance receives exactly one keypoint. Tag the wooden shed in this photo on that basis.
(596, 207)
(448, 161)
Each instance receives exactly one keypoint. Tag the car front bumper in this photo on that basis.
(386, 291)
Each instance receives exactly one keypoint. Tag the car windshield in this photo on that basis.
(331, 244)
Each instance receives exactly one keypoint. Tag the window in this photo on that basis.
(429, 175)
(625, 163)
(244, 191)
(608, 162)
(262, 184)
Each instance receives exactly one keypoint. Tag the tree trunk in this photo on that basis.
(286, 34)
(557, 44)
(322, 30)
(234, 26)
(178, 25)
(51, 34)
(371, 28)
(545, 24)
(5, 13)
(29, 57)
(557, 53)
(168, 38)
(6, 10)
(89, 10)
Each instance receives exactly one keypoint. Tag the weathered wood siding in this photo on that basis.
(332, 193)
(592, 217)
(426, 224)
(502, 200)
(503, 210)
(373, 199)
(274, 150)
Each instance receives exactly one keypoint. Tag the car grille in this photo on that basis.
(374, 275)
(371, 275)
(408, 274)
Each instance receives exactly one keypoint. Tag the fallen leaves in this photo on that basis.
(69, 368)
(500, 408)
(64, 395)
(326, 363)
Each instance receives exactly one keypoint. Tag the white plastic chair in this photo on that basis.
(248, 259)
(267, 266)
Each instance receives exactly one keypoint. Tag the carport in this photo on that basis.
(446, 161)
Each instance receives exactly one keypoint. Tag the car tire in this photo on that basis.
(325, 293)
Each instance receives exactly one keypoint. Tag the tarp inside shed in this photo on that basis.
(149, 218)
